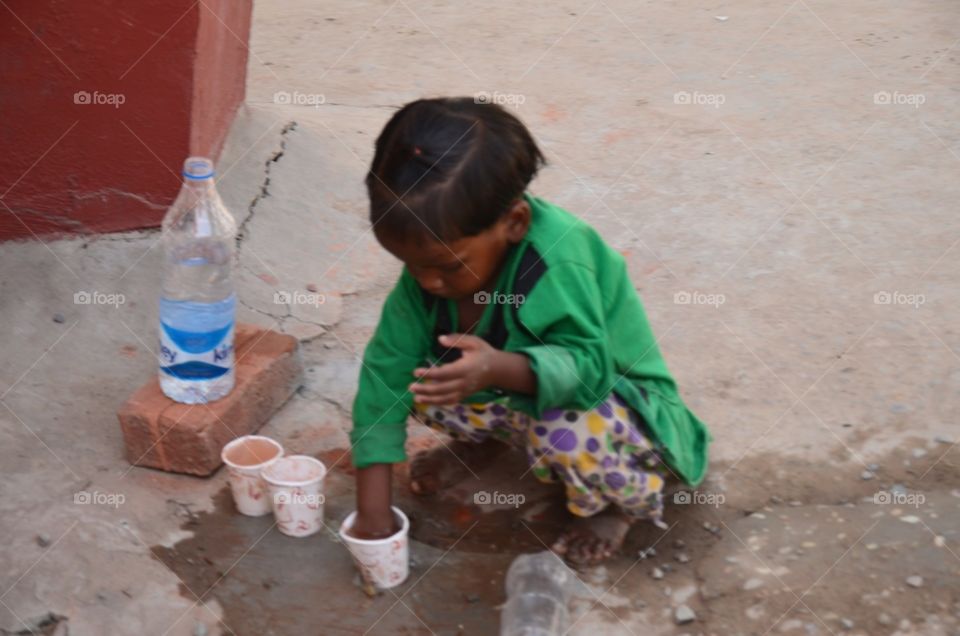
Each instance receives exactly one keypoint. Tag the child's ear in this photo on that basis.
(517, 221)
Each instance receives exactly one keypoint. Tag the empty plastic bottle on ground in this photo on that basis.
(539, 587)
(197, 302)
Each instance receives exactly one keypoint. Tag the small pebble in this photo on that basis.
(776, 500)
(683, 615)
(43, 540)
(898, 489)
(752, 584)
(682, 557)
(58, 318)
(667, 567)
(873, 467)
(915, 581)
(199, 630)
(919, 452)
(884, 618)
(471, 598)
(846, 623)
(656, 573)
(866, 475)
(796, 503)
(942, 439)
(679, 544)
(311, 287)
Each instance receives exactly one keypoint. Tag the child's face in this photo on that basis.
(459, 269)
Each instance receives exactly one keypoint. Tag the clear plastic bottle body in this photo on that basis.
(539, 587)
(197, 301)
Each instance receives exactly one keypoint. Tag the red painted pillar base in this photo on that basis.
(101, 102)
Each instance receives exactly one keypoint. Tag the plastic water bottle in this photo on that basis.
(539, 587)
(197, 303)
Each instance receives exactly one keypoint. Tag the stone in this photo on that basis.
(199, 630)
(682, 557)
(656, 573)
(43, 540)
(752, 584)
(919, 452)
(846, 623)
(184, 438)
(915, 581)
(683, 615)
(866, 475)
(58, 318)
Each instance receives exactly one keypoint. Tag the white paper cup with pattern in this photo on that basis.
(382, 562)
(295, 484)
(245, 457)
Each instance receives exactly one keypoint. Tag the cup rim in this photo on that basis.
(251, 467)
(348, 522)
(293, 483)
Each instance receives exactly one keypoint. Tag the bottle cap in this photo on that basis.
(197, 168)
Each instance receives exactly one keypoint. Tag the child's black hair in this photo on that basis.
(448, 168)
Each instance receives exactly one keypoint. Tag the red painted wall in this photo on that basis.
(100, 103)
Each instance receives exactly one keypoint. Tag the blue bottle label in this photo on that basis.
(196, 339)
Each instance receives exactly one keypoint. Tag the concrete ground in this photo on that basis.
(782, 180)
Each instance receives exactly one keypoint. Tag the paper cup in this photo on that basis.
(383, 562)
(295, 484)
(245, 457)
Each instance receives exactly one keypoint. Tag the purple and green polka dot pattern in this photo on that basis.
(602, 455)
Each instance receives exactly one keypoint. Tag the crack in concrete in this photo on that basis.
(265, 186)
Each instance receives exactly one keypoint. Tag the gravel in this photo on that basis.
(683, 615)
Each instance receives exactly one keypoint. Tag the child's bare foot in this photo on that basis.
(444, 466)
(590, 540)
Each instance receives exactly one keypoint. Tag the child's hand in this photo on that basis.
(452, 382)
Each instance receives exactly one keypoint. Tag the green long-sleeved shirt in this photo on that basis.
(580, 321)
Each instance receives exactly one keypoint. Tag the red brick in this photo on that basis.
(184, 438)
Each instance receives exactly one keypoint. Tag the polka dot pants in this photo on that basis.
(602, 455)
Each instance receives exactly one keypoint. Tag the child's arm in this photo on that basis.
(382, 404)
(480, 367)
(374, 518)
